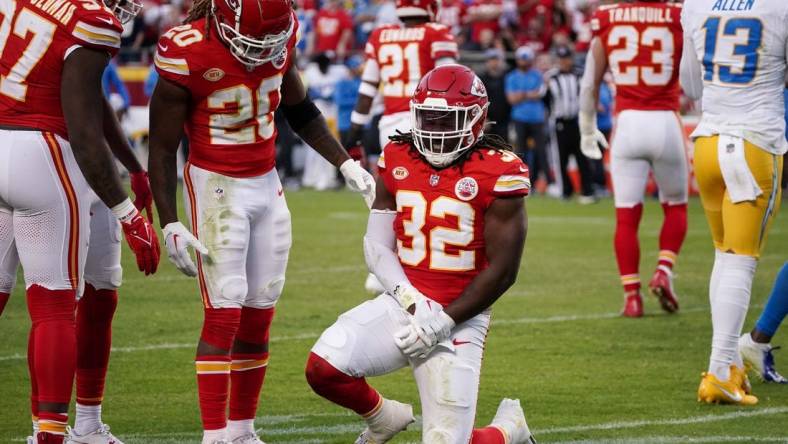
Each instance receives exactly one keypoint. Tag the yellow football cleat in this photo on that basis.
(712, 391)
(739, 377)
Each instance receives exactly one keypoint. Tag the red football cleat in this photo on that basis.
(633, 305)
(661, 286)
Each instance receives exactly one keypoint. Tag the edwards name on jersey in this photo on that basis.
(36, 37)
(404, 55)
(231, 126)
(643, 42)
(440, 213)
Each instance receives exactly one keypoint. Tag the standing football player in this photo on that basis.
(640, 42)
(54, 129)
(398, 56)
(222, 76)
(735, 61)
(445, 237)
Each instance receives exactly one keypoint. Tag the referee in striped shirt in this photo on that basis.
(563, 92)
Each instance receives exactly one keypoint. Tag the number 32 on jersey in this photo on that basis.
(458, 232)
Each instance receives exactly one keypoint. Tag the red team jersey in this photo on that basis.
(36, 36)
(440, 214)
(643, 43)
(404, 56)
(230, 126)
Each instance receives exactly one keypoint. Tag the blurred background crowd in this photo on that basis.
(529, 53)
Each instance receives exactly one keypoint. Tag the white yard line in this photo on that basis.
(315, 335)
(621, 425)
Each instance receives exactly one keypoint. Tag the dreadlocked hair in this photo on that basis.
(486, 142)
(199, 9)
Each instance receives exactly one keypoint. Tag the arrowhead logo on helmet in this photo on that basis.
(448, 112)
(256, 31)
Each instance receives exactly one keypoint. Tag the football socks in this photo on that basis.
(729, 296)
(627, 246)
(213, 371)
(349, 392)
(777, 305)
(674, 230)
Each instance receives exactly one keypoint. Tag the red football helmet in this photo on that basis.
(417, 8)
(448, 111)
(257, 31)
(124, 10)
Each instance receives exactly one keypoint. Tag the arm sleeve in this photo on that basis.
(380, 249)
(691, 72)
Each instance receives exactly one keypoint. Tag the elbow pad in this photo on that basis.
(300, 114)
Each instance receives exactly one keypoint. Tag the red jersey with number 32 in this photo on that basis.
(440, 214)
(230, 126)
(643, 43)
(404, 55)
(36, 36)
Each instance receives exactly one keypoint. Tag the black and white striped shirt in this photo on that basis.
(564, 94)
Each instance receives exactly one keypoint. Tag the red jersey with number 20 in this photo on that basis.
(440, 214)
(404, 55)
(230, 126)
(36, 37)
(643, 43)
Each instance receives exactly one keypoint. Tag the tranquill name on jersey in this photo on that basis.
(641, 14)
(733, 5)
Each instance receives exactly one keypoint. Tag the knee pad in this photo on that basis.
(255, 325)
(220, 326)
(109, 278)
(440, 435)
(267, 295)
(233, 289)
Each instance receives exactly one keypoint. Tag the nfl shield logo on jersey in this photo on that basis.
(466, 188)
(434, 178)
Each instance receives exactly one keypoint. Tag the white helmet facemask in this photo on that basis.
(251, 51)
(441, 132)
(124, 10)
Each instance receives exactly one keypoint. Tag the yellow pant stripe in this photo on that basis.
(57, 428)
(248, 364)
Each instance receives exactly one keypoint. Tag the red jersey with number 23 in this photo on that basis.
(230, 126)
(440, 214)
(404, 55)
(36, 37)
(643, 43)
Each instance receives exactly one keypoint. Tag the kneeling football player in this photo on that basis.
(445, 237)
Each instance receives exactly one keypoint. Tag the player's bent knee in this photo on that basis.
(321, 375)
(335, 346)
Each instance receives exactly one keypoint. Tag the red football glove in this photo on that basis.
(142, 239)
(143, 198)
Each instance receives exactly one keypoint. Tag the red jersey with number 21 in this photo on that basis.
(36, 37)
(643, 43)
(440, 214)
(404, 55)
(230, 126)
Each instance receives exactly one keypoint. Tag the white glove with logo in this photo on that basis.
(591, 137)
(177, 239)
(429, 325)
(359, 180)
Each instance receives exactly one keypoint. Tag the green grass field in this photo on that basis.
(583, 373)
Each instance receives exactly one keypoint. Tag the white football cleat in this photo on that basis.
(101, 435)
(373, 285)
(511, 419)
(392, 418)
(247, 439)
(760, 359)
(31, 440)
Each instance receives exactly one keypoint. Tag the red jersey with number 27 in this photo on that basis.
(230, 125)
(36, 37)
(404, 55)
(440, 214)
(643, 44)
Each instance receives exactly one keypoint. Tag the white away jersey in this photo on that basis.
(742, 46)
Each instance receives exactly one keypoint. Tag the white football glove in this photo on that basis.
(177, 239)
(429, 325)
(589, 144)
(359, 180)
